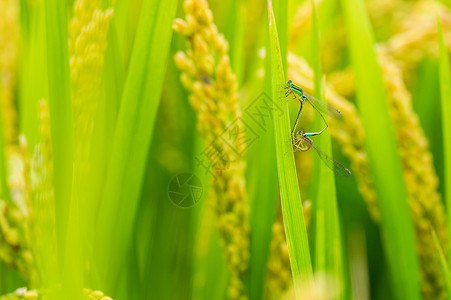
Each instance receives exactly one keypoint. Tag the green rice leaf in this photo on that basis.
(294, 224)
(328, 245)
(33, 75)
(132, 138)
(280, 8)
(60, 110)
(445, 91)
(396, 223)
(443, 263)
(263, 194)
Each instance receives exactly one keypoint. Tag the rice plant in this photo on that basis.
(193, 149)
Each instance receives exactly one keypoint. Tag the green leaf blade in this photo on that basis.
(60, 102)
(294, 224)
(397, 227)
(328, 244)
(443, 263)
(445, 91)
(132, 138)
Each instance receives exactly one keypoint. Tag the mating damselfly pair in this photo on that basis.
(302, 140)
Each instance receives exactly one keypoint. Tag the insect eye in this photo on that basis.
(290, 82)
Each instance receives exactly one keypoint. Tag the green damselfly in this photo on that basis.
(304, 143)
(319, 106)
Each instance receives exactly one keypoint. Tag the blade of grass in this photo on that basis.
(280, 9)
(397, 229)
(262, 191)
(24, 20)
(445, 91)
(106, 115)
(132, 138)
(113, 81)
(443, 263)
(9, 279)
(209, 266)
(427, 86)
(33, 81)
(166, 263)
(328, 246)
(60, 111)
(293, 217)
(119, 23)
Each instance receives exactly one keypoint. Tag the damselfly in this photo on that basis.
(304, 143)
(319, 106)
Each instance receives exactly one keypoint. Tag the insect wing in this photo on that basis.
(324, 107)
(334, 165)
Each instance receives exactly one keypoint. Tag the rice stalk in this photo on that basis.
(14, 247)
(420, 177)
(87, 45)
(208, 76)
(417, 36)
(87, 33)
